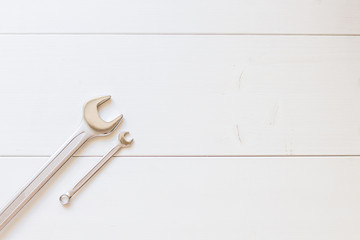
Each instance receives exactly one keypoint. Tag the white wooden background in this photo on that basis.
(245, 114)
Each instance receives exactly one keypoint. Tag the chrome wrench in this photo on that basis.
(123, 143)
(91, 126)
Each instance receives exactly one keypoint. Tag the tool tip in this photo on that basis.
(64, 199)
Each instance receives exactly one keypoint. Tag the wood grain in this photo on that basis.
(181, 16)
(192, 198)
(184, 95)
(237, 108)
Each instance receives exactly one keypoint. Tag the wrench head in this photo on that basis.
(92, 118)
(124, 141)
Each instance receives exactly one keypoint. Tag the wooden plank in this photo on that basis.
(192, 198)
(185, 16)
(184, 95)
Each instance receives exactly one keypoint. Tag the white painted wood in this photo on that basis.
(181, 16)
(191, 81)
(184, 95)
(192, 198)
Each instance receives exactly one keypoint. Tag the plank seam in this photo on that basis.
(185, 156)
(185, 34)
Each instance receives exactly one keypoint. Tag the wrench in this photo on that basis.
(91, 126)
(123, 143)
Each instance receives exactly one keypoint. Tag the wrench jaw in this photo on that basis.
(93, 120)
(124, 141)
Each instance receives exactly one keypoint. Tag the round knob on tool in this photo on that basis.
(65, 199)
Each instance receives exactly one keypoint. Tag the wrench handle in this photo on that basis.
(56, 161)
(94, 170)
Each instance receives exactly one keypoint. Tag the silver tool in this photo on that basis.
(123, 143)
(91, 126)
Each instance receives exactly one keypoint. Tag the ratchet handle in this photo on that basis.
(55, 162)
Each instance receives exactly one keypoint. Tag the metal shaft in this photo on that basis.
(65, 198)
(91, 126)
(55, 162)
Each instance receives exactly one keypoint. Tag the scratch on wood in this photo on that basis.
(274, 114)
(238, 132)
(240, 78)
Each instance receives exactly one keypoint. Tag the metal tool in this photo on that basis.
(66, 197)
(91, 126)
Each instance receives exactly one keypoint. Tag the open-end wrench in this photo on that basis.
(123, 143)
(91, 126)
